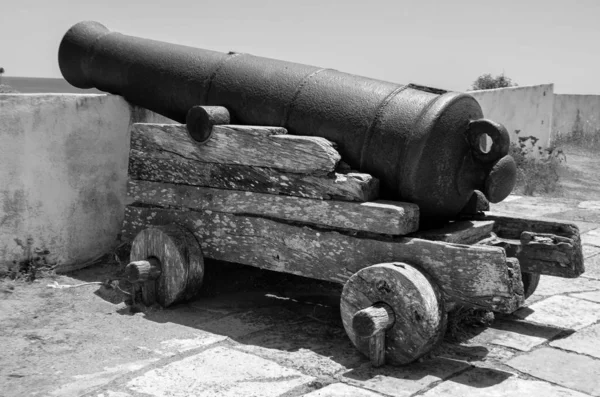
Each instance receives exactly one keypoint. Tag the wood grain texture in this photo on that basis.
(256, 146)
(142, 270)
(542, 246)
(420, 317)
(512, 227)
(373, 319)
(459, 232)
(377, 349)
(166, 167)
(474, 276)
(180, 257)
(382, 217)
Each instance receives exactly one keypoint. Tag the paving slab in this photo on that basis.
(578, 216)
(402, 381)
(484, 382)
(114, 394)
(219, 371)
(512, 197)
(535, 206)
(592, 267)
(176, 346)
(518, 335)
(342, 390)
(81, 384)
(68, 341)
(476, 354)
(550, 285)
(593, 296)
(592, 237)
(570, 370)
(244, 323)
(561, 311)
(533, 299)
(314, 348)
(589, 250)
(586, 341)
(591, 205)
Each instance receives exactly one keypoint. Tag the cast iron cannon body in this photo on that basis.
(422, 143)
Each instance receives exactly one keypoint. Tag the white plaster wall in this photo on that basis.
(63, 175)
(527, 109)
(576, 113)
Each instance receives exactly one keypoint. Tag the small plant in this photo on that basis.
(6, 89)
(537, 168)
(589, 141)
(488, 82)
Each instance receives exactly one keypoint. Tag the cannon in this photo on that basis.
(425, 145)
(264, 187)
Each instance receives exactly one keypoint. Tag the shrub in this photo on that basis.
(588, 141)
(537, 168)
(488, 82)
(6, 89)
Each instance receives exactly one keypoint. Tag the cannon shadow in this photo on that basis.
(292, 320)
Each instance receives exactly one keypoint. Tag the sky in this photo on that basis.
(445, 43)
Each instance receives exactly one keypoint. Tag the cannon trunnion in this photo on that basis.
(423, 144)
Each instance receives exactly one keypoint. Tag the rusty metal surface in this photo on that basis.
(422, 143)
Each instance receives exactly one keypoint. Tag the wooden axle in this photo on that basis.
(141, 271)
(372, 322)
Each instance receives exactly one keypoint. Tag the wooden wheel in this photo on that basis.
(530, 283)
(392, 313)
(168, 262)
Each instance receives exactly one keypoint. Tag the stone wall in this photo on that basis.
(63, 175)
(576, 113)
(525, 109)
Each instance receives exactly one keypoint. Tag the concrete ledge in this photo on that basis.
(63, 175)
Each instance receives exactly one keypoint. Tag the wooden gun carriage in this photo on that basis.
(260, 197)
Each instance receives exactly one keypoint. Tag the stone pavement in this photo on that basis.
(292, 343)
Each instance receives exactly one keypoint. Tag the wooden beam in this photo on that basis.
(255, 146)
(542, 246)
(385, 217)
(475, 276)
(165, 167)
(459, 232)
(542, 253)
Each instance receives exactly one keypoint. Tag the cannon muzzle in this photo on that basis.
(424, 144)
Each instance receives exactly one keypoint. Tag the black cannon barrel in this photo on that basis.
(424, 144)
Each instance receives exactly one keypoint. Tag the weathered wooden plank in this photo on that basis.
(476, 276)
(160, 166)
(511, 227)
(541, 253)
(383, 217)
(459, 232)
(543, 246)
(269, 147)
